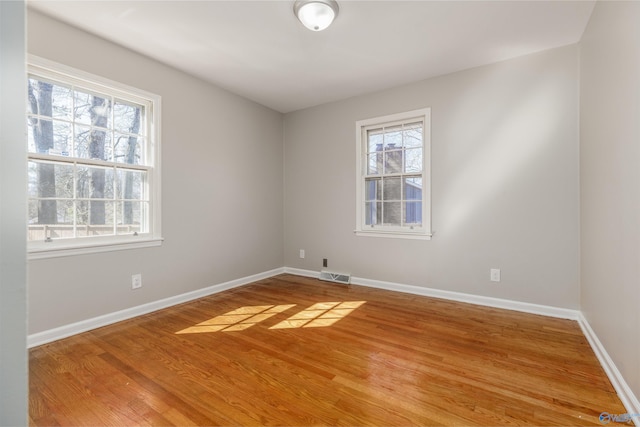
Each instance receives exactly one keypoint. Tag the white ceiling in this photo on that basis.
(259, 50)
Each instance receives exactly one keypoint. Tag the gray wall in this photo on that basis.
(222, 191)
(535, 171)
(505, 190)
(610, 182)
(13, 300)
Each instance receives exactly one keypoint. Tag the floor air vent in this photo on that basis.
(335, 277)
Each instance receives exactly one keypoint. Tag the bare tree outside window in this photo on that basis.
(100, 111)
(40, 103)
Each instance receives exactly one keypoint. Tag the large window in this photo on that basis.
(393, 180)
(93, 169)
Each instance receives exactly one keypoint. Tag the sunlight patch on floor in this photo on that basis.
(318, 315)
(237, 320)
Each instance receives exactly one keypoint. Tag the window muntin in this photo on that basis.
(93, 153)
(393, 178)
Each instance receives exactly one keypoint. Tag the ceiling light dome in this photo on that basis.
(316, 15)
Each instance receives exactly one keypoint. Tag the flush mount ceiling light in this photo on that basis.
(316, 15)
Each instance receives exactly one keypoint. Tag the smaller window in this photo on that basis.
(393, 178)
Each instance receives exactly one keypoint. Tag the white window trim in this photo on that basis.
(422, 233)
(86, 245)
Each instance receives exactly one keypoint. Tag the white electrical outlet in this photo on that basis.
(495, 274)
(136, 281)
(301, 253)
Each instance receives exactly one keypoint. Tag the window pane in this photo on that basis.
(128, 149)
(373, 189)
(32, 212)
(49, 99)
(62, 102)
(82, 216)
(39, 135)
(31, 141)
(95, 218)
(95, 183)
(43, 211)
(374, 164)
(32, 179)
(65, 216)
(413, 188)
(129, 217)
(375, 140)
(82, 107)
(49, 137)
(126, 118)
(62, 138)
(412, 135)
(413, 213)
(35, 231)
(40, 97)
(94, 110)
(393, 161)
(48, 212)
(43, 135)
(392, 190)
(49, 180)
(108, 147)
(93, 144)
(50, 218)
(99, 145)
(392, 213)
(413, 160)
(131, 184)
(82, 137)
(373, 213)
(393, 137)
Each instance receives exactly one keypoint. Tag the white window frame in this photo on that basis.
(50, 70)
(405, 232)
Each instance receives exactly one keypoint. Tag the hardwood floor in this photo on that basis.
(296, 351)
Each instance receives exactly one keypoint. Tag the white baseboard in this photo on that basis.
(628, 399)
(301, 272)
(544, 310)
(65, 331)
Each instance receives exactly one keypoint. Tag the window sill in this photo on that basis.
(75, 248)
(393, 235)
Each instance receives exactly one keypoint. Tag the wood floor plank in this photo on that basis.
(290, 350)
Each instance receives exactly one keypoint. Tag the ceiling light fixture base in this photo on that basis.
(316, 15)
